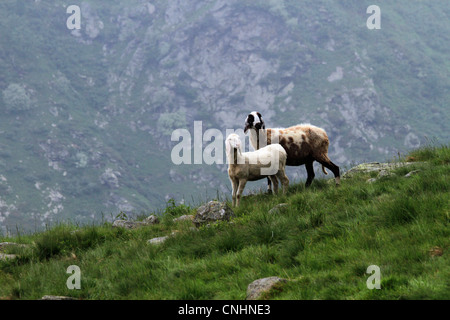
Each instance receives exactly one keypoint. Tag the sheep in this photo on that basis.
(304, 144)
(269, 162)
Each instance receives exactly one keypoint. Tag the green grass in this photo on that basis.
(323, 243)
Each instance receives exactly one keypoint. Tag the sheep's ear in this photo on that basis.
(259, 115)
(228, 146)
(249, 122)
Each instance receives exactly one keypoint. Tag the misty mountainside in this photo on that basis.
(86, 116)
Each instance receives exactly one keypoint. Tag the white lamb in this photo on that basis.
(269, 161)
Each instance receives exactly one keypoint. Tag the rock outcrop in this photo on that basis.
(212, 212)
(186, 217)
(5, 257)
(258, 288)
(135, 224)
(383, 169)
(157, 240)
(49, 297)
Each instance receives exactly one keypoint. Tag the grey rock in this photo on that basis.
(4, 245)
(409, 174)
(257, 288)
(110, 178)
(93, 25)
(371, 180)
(385, 173)
(127, 224)
(152, 219)
(158, 240)
(5, 257)
(57, 298)
(184, 218)
(279, 208)
(212, 212)
(383, 169)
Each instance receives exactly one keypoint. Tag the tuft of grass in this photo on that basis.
(173, 210)
(437, 154)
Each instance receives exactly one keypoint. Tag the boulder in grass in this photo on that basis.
(411, 173)
(211, 212)
(258, 288)
(57, 298)
(383, 169)
(158, 240)
(184, 218)
(135, 224)
(125, 224)
(4, 245)
(279, 208)
(385, 173)
(5, 257)
(161, 240)
(152, 219)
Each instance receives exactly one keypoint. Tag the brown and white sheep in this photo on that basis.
(304, 144)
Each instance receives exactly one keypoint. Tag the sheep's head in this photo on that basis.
(233, 142)
(254, 121)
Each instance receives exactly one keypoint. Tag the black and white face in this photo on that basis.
(254, 121)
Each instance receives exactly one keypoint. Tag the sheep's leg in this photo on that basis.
(326, 162)
(242, 183)
(234, 185)
(284, 180)
(269, 185)
(274, 181)
(310, 172)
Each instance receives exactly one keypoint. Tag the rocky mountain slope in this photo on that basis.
(86, 115)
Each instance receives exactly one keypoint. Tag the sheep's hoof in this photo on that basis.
(269, 192)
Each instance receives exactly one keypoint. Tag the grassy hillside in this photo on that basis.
(323, 243)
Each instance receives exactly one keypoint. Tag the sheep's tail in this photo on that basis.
(323, 169)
